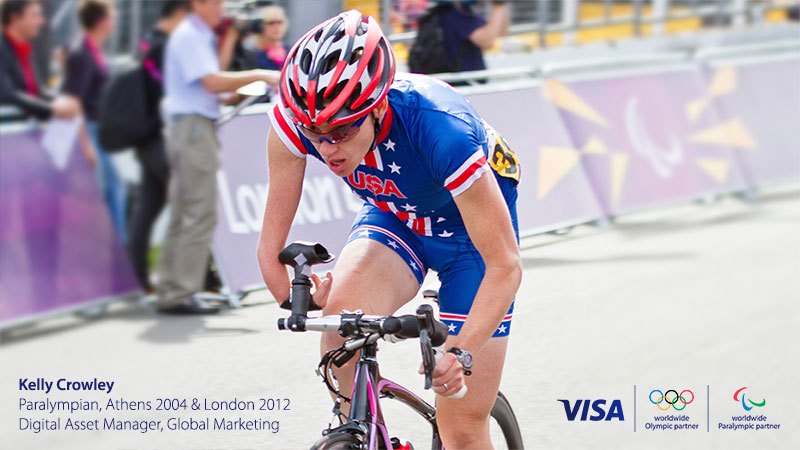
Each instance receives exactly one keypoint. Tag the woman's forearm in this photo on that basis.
(495, 295)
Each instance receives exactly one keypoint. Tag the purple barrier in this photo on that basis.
(58, 249)
(760, 103)
(553, 189)
(326, 211)
(642, 148)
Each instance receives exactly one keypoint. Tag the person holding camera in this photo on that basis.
(271, 52)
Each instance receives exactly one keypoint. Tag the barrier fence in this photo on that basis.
(590, 146)
(58, 248)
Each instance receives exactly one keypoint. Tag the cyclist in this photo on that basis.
(416, 151)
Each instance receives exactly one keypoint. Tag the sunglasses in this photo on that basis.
(338, 135)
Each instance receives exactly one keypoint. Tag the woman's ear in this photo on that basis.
(380, 110)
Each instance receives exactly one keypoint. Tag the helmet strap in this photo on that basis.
(376, 125)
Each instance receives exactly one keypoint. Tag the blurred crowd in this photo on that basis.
(189, 64)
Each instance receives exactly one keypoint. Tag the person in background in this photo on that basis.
(271, 51)
(467, 34)
(152, 155)
(192, 84)
(20, 82)
(86, 75)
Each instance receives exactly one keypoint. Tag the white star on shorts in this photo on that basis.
(389, 145)
(501, 329)
(392, 244)
(395, 168)
(409, 208)
(364, 233)
(451, 328)
(413, 265)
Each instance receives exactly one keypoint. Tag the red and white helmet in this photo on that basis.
(337, 72)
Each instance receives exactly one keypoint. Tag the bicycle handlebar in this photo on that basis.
(403, 327)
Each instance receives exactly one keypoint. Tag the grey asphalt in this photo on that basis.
(701, 297)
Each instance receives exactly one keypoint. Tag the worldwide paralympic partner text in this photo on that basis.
(748, 422)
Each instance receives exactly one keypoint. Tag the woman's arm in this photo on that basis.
(488, 223)
(286, 173)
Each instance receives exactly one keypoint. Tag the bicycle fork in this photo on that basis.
(365, 410)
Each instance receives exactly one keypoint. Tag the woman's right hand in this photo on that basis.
(321, 288)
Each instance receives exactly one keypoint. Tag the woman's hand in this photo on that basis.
(321, 288)
(448, 375)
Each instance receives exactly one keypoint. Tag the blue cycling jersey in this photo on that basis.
(431, 147)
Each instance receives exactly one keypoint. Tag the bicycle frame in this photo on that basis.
(365, 409)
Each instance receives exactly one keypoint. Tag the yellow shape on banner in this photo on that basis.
(596, 146)
(619, 167)
(732, 133)
(717, 168)
(694, 109)
(554, 163)
(563, 97)
(724, 82)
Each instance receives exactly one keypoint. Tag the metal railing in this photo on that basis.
(713, 12)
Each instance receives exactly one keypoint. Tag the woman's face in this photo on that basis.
(274, 28)
(343, 158)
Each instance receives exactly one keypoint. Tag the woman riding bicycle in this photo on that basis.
(420, 157)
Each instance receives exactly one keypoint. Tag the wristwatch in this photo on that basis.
(464, 357)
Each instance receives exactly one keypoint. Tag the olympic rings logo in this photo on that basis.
(671, 401)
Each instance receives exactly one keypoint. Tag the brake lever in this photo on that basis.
(428, 357)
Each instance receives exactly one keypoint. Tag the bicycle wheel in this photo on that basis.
(503, 426)
(337, 441)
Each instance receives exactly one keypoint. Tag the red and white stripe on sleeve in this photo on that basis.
(472, 169)
(286, 131)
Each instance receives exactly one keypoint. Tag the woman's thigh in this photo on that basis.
(371, 277)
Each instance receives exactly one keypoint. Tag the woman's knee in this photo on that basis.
(466, 431)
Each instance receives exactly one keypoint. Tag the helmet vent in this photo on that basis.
(330, 61)
(339, 35)
(296, 95)
(356, 55)
(305, 61)
(356, 93)
(373, 64)
(362, 28)
(318, 35)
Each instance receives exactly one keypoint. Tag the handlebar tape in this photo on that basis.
(408, 327)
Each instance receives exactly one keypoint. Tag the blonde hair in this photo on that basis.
(268, 13)
(273, 12)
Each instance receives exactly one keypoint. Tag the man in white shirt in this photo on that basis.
(193, 81)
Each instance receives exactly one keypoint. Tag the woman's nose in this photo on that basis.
(326, 148)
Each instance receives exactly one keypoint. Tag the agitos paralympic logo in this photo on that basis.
(744, 405)
(678, 402)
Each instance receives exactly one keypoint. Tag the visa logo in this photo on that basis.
(582, 406)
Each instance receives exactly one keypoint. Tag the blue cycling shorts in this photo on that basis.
(455, 259)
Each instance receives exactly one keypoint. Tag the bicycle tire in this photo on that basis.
(337, 441)
(504, 415)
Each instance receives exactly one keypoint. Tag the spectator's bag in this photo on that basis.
(429, 54)
(124, 121)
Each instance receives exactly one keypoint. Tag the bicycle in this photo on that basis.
(364, 427)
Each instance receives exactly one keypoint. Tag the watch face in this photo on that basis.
(466, 358)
